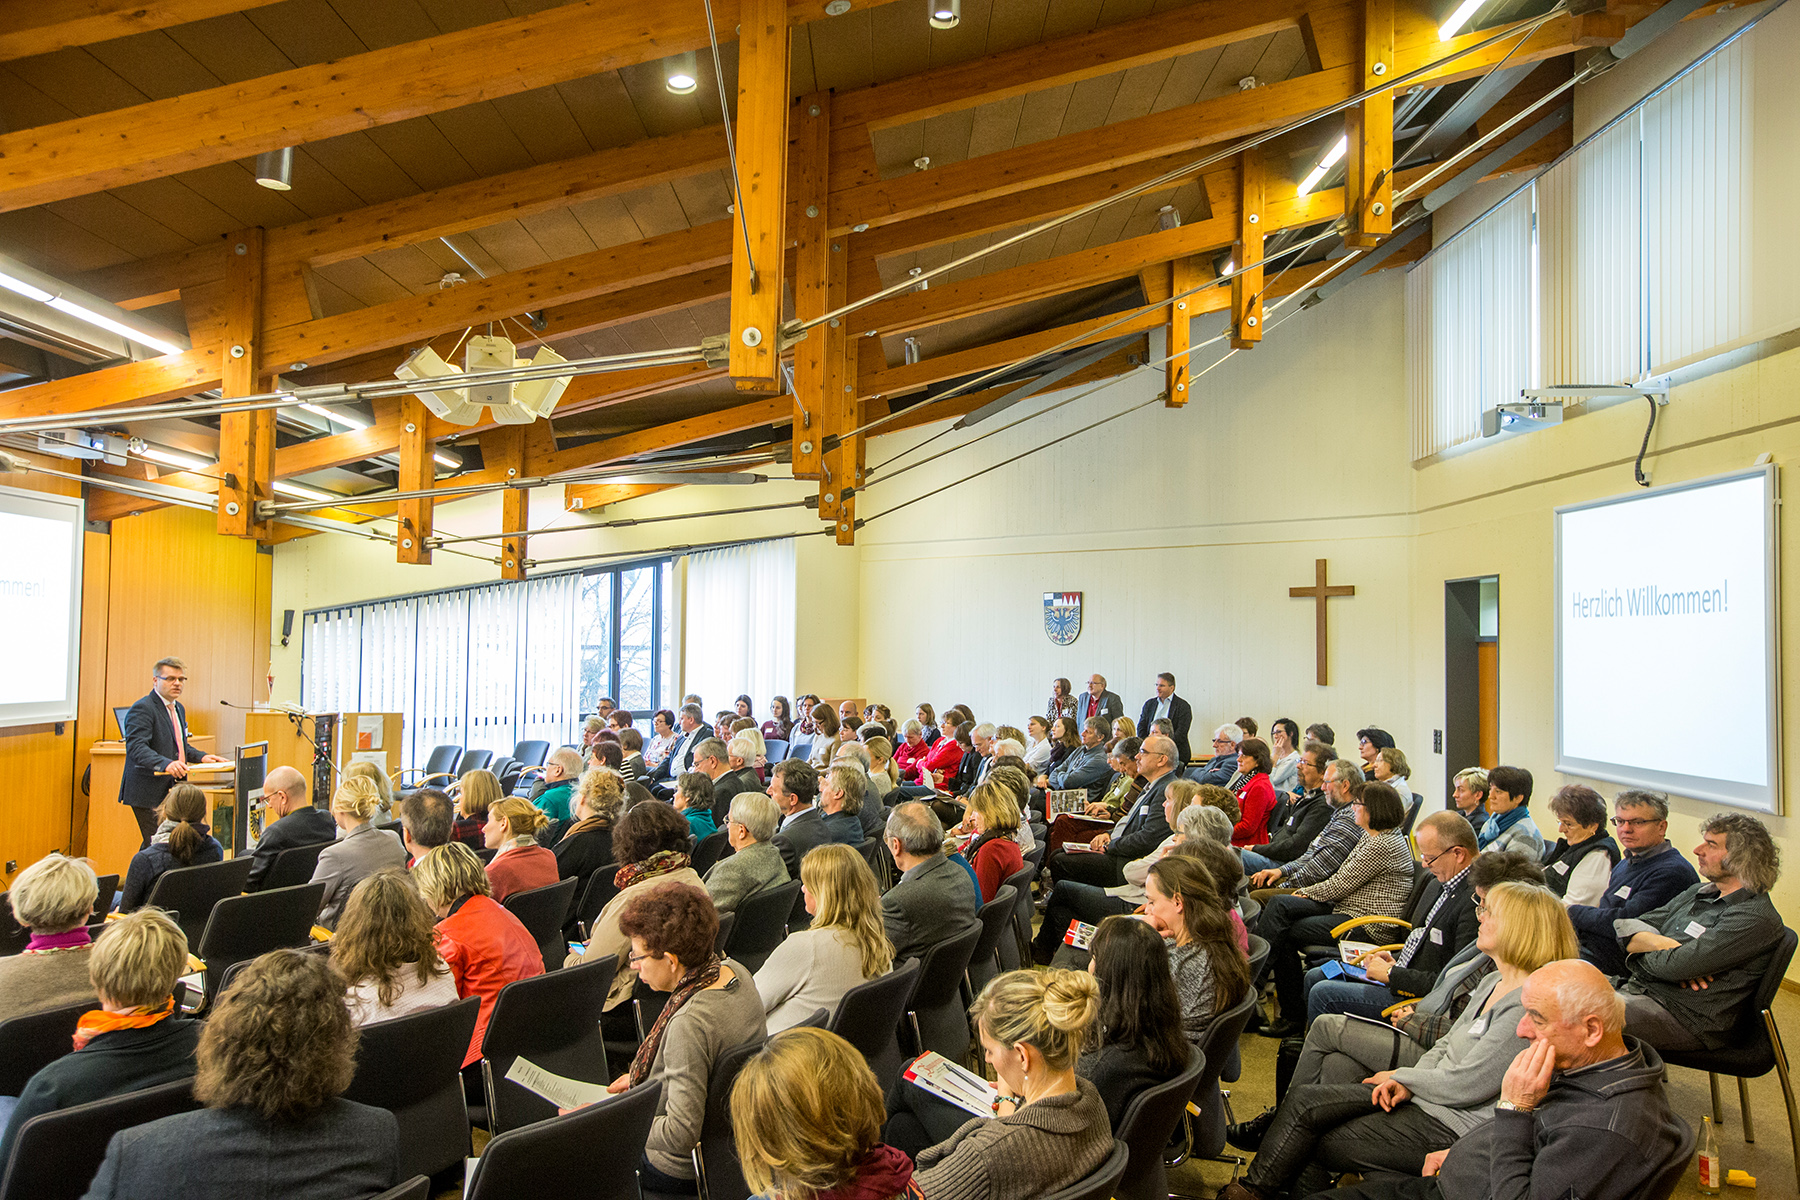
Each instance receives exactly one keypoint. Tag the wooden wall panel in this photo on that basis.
(93, 721)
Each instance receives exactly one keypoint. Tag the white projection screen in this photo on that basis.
(40, 605)
(1667, 643)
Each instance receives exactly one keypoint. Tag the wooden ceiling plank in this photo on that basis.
(775, 410)
(50, 25)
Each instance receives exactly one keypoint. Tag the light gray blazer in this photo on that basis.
(733, 880)
(352, 859)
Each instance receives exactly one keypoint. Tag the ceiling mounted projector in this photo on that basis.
(1521, 416)
(510, 403)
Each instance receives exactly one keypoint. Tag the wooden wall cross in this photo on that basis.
(1319, 594)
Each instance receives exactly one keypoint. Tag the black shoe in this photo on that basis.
(1281, 1029)
(1248, 1135)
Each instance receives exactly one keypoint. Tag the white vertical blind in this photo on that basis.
(1468, 316)
(551, 692)
(1591, 234)
(740, 620)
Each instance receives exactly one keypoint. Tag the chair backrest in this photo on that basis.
(1412, 812)
(230, 973)
(716, 1157)
(506, 770)
(192, 892)
(774, 749)
(1101, 1184)
(1249, 912)
(416, 1188)
(34, 1041)
(592, 1152)
(1217, 1046)
(554, 1020)
(442, 760)
(531, 753)
(473, 760)
(711, 849)
(106, 889)
(996, 917)
(868, 1017)
(242, 927)
(600, 888)
(761, 924)
(13, 936)
(1145, 1126)
(1020, 882)
(542, 911)
(412, 1066)
(941, 970)
(293, 866)
(57, 1153)
(1259, 954)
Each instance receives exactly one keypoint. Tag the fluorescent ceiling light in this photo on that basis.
(26, 290)
(1457, 19)
(1337, 151)
(104, 322)
(298, 492)
(342, 418)
(444, 460)
(170, 458)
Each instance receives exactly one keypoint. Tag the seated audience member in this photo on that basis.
(977, 743)
(426, 819)
(825, 738)
(276, 1055)
(693, 799)
(712, 759)
(871, 813)
(135, 1040)
(881, 771)
(1583, 1110)
(1137, 1041)
(1301, 819)
(1694, 962)
(181, 840)
(519, 863)
(1050, 1131)
(747, 754)
(1470, 795)
(1370, 743)
(713, 1005)
(794, 786)
(845, 945)
(651, 840)
(291, 820)
(1390, 767)
(994, 854)
(1204, 822)
(933, 899)
(378, 777)
(1038, 746)
(941, 761)
(781, 720)
(1086, 766)
(753, 863)
(586, 845)
(1227, 875)
(1651, 873)
(1393, 1119)
(1441, 914)
(561, 770)
(806, 1115)
(840, 801)
(590, 729)
(662, 739)
(359, 853)
(1124, 727)
(1284, 747)
(1064, 741)
(1578, 867)
(1375, 880)
(387, 952)
(1210, 968)
(1222, 766)
(911, 749)
(1135, 834)
(604, 756)
(631, 755)
(53, 899)
(1255, 794)
(484, 946)
(1342, 831)
(1509, 826)
(476, 792)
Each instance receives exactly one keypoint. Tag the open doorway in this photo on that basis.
(1471, 675)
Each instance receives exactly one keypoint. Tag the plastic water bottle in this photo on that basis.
(1710, 1174)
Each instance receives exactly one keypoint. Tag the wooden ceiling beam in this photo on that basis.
(765, 73)
(150, 381)
(932, 411)
(1255, 221)
(1369, 130)
(899, 381)
(47, 26)
(775, 410)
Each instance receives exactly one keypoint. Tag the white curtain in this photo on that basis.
(740, 624)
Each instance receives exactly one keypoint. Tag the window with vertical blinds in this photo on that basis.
(493, 665)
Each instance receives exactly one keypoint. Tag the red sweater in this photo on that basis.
(1256, 800)
(998, 860)
(521, 869)
(944, 755)
(906, 759)
(487, 948)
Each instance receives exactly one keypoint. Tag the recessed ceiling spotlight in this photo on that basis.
(681, 74)
(837, 8)
(946, 14)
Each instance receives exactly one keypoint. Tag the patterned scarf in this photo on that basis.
(698, 979)
(1499, 823)
(661, 863)
(93, 1024)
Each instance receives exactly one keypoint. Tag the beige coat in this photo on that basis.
(608, 940)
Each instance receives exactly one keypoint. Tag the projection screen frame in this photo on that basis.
(52, 506)
(1680, 785)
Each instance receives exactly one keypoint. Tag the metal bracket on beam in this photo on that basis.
(792, 333)
(1659, 393)
(715, 350)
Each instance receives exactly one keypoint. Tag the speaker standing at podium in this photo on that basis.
(156, 739)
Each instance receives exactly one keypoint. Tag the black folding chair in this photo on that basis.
(189, 893)
(592, 1152)
(553, 1020)
(761, 925)
(531, 753)
(727, 921)
(600, 889)
(473, 760)
(1016, 953)
(293, 866)
(242, 927)
(936, 1018)
(412, 1066)
(106, 888)
(869, 1015)
(1146, 1125)
(711, 849)
(716, 1167)
(57, 1153)
(996, 917)
(1205, 1133)
(439, 769)
(34, 1041)
(542, 912)
(1101, 1184)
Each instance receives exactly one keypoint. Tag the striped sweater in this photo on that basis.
(1375, 880)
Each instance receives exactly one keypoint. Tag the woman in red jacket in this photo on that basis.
(520, 864)
(913, 747)
(944, 756)
(994, 854)
(485, 946)
(1255, 795)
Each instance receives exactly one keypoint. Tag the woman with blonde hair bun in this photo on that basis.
(375, 775)
(846, 945)
(806, 1113)
(361, 849)
(1049, 1129)
(386, 950)
(519, 863)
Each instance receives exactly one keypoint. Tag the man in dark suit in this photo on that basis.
(1098, 702)
(794, 787)
(934, 899)
(1141, 830)
(729, 771)
(1166, 704)
(681, 754)
(294, 821)
(156, 740)
(1223, 764)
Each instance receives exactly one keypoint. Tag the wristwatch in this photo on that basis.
(1509, 1106)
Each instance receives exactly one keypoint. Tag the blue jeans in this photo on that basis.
(1254, 862)
(1344, 996)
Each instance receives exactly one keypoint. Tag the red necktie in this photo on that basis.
(180, 742)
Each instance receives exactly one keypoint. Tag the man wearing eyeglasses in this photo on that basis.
(1141, 830)
(1651, 873)
(157, 751)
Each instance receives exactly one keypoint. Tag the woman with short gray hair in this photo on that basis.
(53, 898)
(1581, 863)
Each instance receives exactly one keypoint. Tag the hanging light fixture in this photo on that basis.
(946, 14)
(681, 74)
(912, 351)
(275, 169)
(1459, 16)
(511, 403)
(1338, 148)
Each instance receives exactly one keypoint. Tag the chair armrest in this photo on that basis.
(1391, 1009)
(1358, 922)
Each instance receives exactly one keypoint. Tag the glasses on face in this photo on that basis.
(1482, 909)
(171, 678)
(634, 958)
(1635, 822)
(1428, 859)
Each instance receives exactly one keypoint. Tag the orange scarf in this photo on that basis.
(93, 1024)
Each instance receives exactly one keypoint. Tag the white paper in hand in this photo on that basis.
(560, 1090)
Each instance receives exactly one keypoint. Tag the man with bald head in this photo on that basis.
(1141, 830)
(1582, 1110)
(289, 820)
